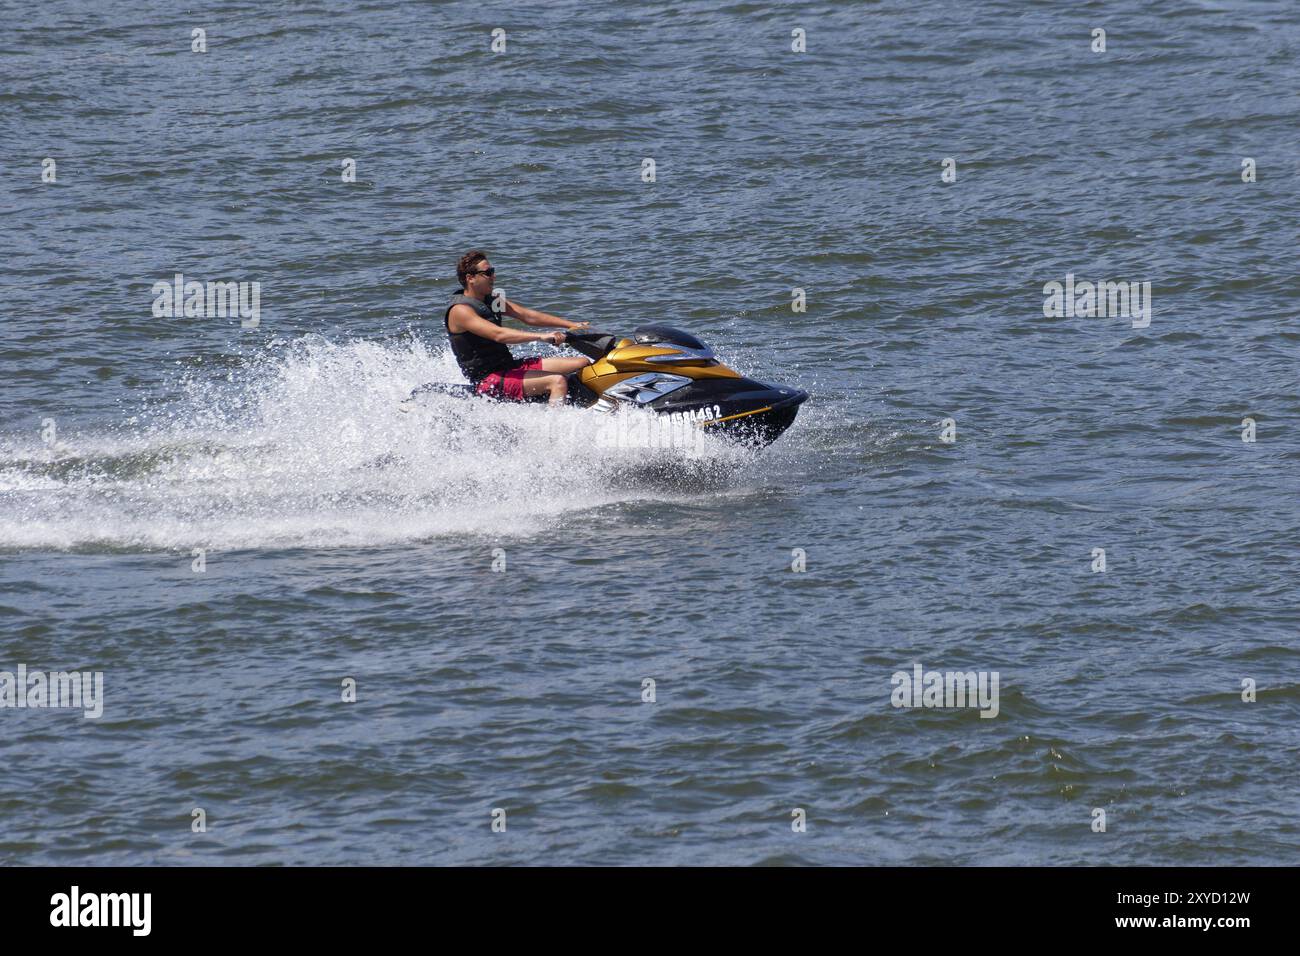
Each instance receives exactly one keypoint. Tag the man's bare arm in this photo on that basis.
(464, 319)
(533, 317)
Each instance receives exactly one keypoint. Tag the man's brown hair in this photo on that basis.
(467, 263)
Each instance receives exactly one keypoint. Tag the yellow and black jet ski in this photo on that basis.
(670, 372)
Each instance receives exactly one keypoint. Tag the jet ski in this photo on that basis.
(669, 372)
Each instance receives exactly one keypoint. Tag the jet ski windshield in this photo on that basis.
(667, 335)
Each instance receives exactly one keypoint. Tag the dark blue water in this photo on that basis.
(344, 539)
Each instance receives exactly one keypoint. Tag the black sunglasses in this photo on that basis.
(484, 272)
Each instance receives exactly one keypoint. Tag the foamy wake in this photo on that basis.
(306, 446)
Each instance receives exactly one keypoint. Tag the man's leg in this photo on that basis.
(564, 365)
(542, 383)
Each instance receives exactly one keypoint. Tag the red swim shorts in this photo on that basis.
(508, 385)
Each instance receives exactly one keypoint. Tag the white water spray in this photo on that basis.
(306, 446)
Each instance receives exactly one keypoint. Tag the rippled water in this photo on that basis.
(343, 539)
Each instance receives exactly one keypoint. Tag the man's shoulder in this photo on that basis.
(459, 300)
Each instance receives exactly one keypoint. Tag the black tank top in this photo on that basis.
(478, 357)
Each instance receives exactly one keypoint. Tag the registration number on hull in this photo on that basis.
(706, 414)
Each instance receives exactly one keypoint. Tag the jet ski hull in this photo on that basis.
(738, 409)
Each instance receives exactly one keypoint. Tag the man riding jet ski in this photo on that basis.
(480, 343)
(659, 368)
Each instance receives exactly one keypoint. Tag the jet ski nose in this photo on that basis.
(784, 396)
